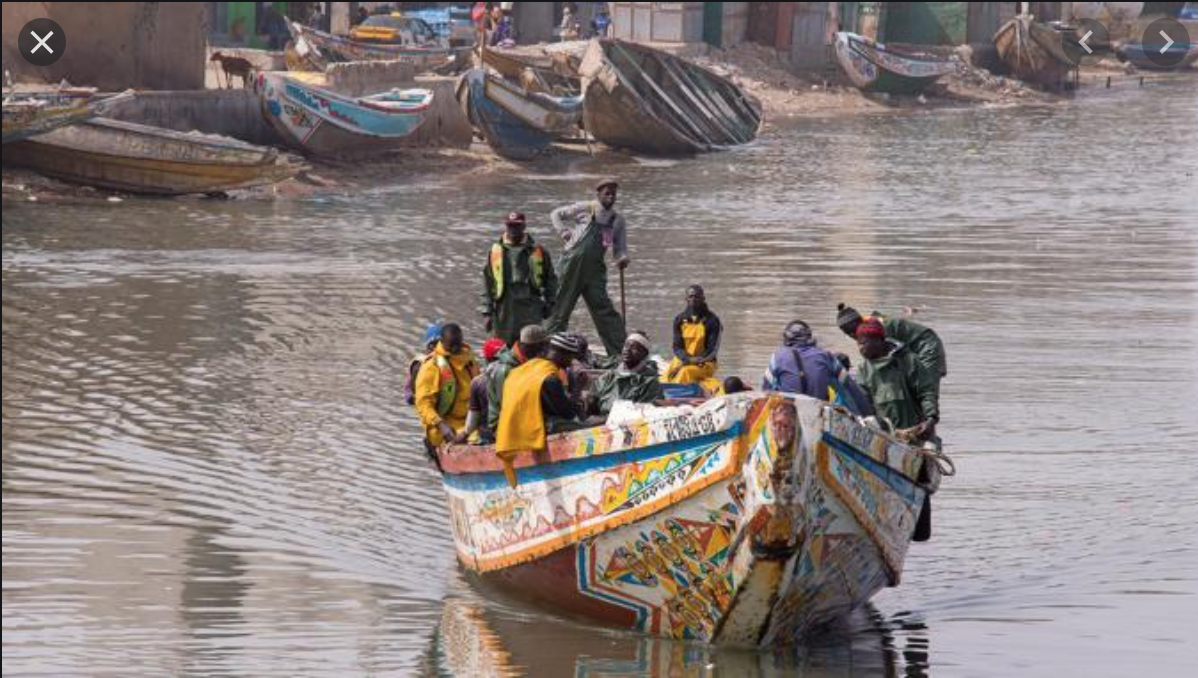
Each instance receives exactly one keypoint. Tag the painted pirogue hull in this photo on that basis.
(126, 156)
(550, 114)
(873, 68)
(649, 101)
(1134, 54)
(506, 133)
(1034, 52)
(323, 123)
(750, 520)
(316, 50)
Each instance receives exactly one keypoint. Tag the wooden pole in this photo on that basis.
(623, 299)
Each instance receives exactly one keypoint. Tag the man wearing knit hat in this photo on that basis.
(532, 343)
(919, 339)
(519, 285)
(636, 378)
(799, 365)
(901, 388)
(589, 230)
(536, 402)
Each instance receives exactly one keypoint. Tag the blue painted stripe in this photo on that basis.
(491, 480)
(896, 480)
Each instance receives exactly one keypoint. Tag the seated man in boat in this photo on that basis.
(431, 336)
(901, 388)
(536, 402)
(696, 343)
(530, 345)
(477, 430)
(799, 365)
(919, 339)
(635, 378)
(443, 387)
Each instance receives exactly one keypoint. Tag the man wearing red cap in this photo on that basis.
(519, 285)
(589, 230)
(902, 389)
(477, 428)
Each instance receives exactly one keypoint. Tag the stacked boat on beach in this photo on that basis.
(872, 67)
(1035, 52)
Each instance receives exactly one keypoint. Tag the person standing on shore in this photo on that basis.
(589, 230)
(519, 285)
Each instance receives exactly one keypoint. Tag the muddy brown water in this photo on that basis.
(207, 467)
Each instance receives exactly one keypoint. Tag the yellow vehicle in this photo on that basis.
(394, 29)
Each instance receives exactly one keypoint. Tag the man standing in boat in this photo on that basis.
(589, 230)
(519, 285)
(902, 389)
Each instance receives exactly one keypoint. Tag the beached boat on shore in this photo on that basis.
(512, 122)
(551, 74)
(126, 156)
(1134, 54)
(322, 122)
(1034, 52)
(874, 68)
(653, 102)
(750, 519)
(28, 114)
(314, 50)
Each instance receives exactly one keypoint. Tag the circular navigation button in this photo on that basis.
(1089, 44)
(1166, 43)
(42, 42)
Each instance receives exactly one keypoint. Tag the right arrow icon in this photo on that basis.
(1168, 42)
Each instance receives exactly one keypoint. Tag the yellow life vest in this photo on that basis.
(536, 261)
(521, 419)
(694, 337)
(447, 390)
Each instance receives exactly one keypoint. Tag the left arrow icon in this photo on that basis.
(1082, 42)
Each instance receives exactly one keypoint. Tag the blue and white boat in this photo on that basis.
(514, 126)
(321, 122)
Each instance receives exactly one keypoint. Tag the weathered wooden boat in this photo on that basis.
(315, 49)
(649, 101)
(126, 156)
(552, 74)
(507, 134)
(751, 519)
(556, 115)
(874, 68)
(28, 114)
(1034, 52)
(1134, 54)
(322, 122)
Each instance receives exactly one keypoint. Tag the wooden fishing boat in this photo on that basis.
(1134, 54)
(321, 122)
(506, 133)
(28, 114)
(1034, 52)
(126, 156)
(649, 101)
(750, 519)
(314, 50)
(556, 115)
(874, 68)
(550, 74)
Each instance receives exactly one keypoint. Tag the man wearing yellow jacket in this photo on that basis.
(443, 387)
(536, 400)
(696, 343)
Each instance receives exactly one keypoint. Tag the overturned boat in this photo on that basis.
(126, 156)
(750, 519)
(321, 122)
(875, 68)
(515, 123)
(1034, 52)
(653, 102)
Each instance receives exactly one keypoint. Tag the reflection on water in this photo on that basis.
(207, 465)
